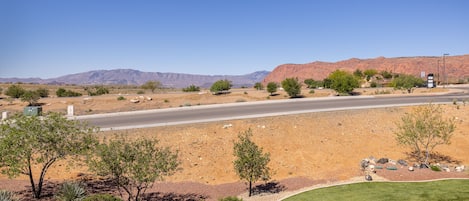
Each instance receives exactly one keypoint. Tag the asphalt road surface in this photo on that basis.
(218, 112)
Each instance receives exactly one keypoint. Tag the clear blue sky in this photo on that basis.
(45, 38)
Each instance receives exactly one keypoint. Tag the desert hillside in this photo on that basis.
(457, 67)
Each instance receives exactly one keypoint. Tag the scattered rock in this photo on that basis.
(227, 126)
(402, 162)
(446, 169)
(460, 168)
(368, 177)
(411, 168)
(393, 162)
(423, 166)
(134, 100)
(383, 160)
(364, 163)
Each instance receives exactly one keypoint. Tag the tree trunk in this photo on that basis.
(250, 188)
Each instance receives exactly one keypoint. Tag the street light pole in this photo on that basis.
(445, 74)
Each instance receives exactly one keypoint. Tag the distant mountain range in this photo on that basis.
(135, 77)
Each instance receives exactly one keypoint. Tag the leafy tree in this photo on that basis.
(15, 91)
(152, 85)
(327, 83)
(31, 97)
(358, 73)
(292, 87)
(407, 82)
(311, 83)
(343, 82)
(386, 74)
(424, 129)
(258, 86)
(250, 163)
(134, 165)
(369, 73)
(272, 87)
(191, 88)
(43, 92)
(220, 86)
(30, 141)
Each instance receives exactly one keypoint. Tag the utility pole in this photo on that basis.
(445, 74)
(438, 72)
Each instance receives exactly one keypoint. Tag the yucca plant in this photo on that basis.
(7, 196)
(71, 191)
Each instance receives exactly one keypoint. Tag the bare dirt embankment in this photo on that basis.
(306, 149)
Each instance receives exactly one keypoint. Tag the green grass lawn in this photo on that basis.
(436, 190)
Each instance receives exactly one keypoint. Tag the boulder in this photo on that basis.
(383, 160)
(364, 163)
(411, 168)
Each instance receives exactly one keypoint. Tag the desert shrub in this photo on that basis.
(7, 196)
(191, 88)
(230, 198)
(311, 91)
(435, 168)
(245, 93)
(61, 92)
(140, 92)
(15, 91)
(373, 84)
(96, 90)
(187, 104)
(71, 191)
(101, 197)
(240, 100)
(120, 98)
(166, 100)
(43, 92)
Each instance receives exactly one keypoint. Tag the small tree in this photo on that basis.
(15, 91)
(407, 82)
(369, 73)
(134, 165)
(358, 73)
(61, 92)
(31, 97)
(292, 87)
(258, 86)
(220, 86)
(272, 87)
(311, 83)
(30, 141)
(343, 82)
(151, 85)
(250, 163)
(424, 129)
(96, 90)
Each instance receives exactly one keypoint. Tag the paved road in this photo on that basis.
(196, 114)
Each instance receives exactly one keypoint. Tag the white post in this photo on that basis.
(4, 115)
(70, 110)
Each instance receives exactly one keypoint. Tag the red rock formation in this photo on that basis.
(457, 67)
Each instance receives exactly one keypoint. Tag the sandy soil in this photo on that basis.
(306, 150)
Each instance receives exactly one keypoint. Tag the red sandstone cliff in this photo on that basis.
(457, 67)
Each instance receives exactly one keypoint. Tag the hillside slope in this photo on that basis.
(457, 67)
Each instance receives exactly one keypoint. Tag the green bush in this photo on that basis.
(230, 198)
(61, 92)
(7, 196)
(120, 98)
(373, 84)
(435, 168)
(15, 91)
(140, 92)
(101, 197)
(71, 191)
(311, 91)
(43, 92)
(96, 90)
(191, 88)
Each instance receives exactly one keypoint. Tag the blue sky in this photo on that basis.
(45, 38)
